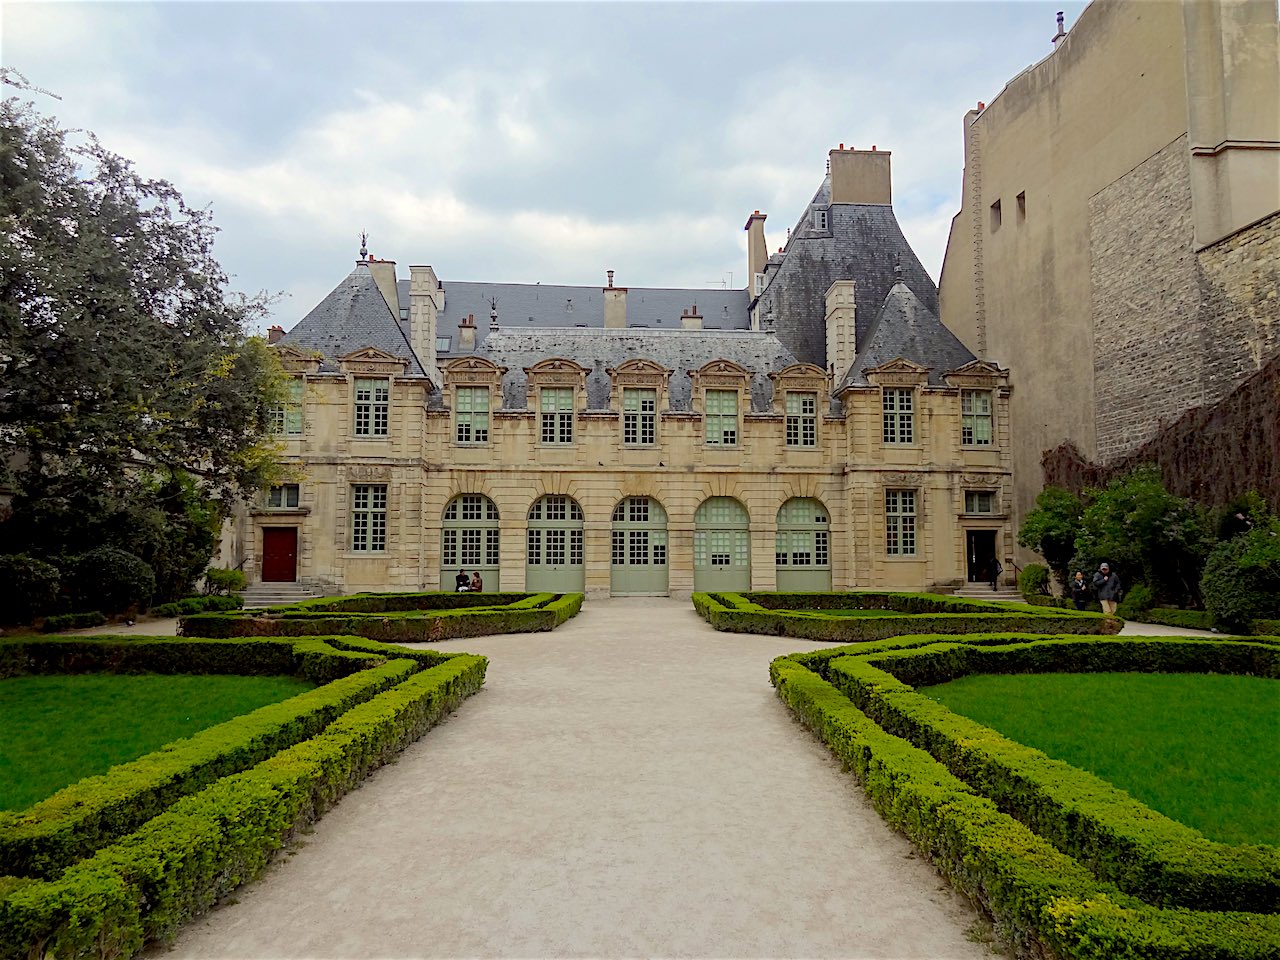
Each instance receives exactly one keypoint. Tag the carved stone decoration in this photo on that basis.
(368, 471)
(373, 360)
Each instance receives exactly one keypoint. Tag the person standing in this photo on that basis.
(996, 570)
(1107, 586)
(1080, 590)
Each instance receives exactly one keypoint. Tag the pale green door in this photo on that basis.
(469, 541)
(553, 547)
(721, 546)
(803, 547)
(639, 548)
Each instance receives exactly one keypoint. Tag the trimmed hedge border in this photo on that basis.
(178, 864)
(906, 613)
(1045, 902)
(1122, 840)
(57, 622)
(526, 613)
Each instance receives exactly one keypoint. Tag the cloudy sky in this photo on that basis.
(522, 142)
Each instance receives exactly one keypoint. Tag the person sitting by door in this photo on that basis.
(462, 583)
(477, 585)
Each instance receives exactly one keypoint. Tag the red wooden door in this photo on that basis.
(279, 554)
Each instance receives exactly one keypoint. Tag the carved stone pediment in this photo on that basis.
(898, 372)
(473, 370)
(907, 480)
(639, 367)
(720, 368)
(298, 361)
(977, 373)
(560, 365)
(373, 360)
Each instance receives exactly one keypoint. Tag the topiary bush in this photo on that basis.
(1033, 581)
(1241, 580)
(111, 580)
(72, 621)
(1138, 599)
(28, 588)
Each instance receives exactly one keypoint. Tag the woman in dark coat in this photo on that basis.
(1080, 590)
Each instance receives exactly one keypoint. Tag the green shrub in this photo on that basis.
(1051, 528)
(220, 581)
(189, 605)
(111, 580)
(1191, 619)
(178, 864)
(1137, 600)
(1047, 903)
(28, 588)
(1241, 580)
(72, 621)
(1033, 580)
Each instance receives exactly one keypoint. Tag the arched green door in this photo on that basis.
(553, 546)
(803, 546)
(469, 541)
(721, 546)
(639, 548)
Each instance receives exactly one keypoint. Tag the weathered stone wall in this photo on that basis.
(1145, 300)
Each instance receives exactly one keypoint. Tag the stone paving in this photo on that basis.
(628, 785)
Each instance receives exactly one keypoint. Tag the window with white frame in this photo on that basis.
(975, 407)
(900, 522)
(899, 415)
(369, 517)
(283, 497)
(761, 281)
(802, 419)
(471, 536)
(471, 415)
(639, 416)
(555, 405)
(285, 419)
(820, 220)
(373, 401)
(722, 417)
(979, 501)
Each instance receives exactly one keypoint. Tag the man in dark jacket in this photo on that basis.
(1107, 586)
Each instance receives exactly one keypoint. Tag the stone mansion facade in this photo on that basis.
(820, 429)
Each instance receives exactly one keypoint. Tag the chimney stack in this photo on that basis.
(757, 252)
(1061, 32)
(842, 332)
(426, 301)
(690, 319)
(275, 334)
(615, 305)
(384, 275)
(860, 176)
(467, 334)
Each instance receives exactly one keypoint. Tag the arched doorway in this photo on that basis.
(802, 548)
(721, 546)
(638, 548)
(553, 546)
(469, 540)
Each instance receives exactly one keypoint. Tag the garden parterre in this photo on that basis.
(111, 862)
(1069, 866)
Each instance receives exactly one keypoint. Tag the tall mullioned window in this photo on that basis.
(639, 416)
(975, 407)
(369, 517)
(470, 537)
(802, 419)
(979, 501)
(555, 405)
(472, 415)
(373, 403)
(899, 415)
(722, 417)
(285, 420)
(900, 522)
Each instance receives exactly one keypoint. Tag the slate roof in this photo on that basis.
(906, 328)
(864, 243)
(603, 348)
(352, 316)
(532, 306)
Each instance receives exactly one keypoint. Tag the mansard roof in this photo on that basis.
(603, 349)
(354, 315)
(535, 306)
(906, 329)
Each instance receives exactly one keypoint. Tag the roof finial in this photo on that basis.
(897, 268)
(493, 313)
(1061, 32)
(364, 245)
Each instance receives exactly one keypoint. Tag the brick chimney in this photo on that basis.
(275, 334)
(467, 334)
(757, 252)
(615, 305)
(860, 176)
(690, 319)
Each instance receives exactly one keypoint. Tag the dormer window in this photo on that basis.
(760, 284)
(820, 220)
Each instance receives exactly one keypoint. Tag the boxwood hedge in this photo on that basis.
(391, 618)
(802, 615)
(1046, 902)
(1143, 852)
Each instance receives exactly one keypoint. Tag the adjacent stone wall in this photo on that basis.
(1145, 300)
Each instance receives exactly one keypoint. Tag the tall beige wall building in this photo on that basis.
(1118, 244)
(820, 429)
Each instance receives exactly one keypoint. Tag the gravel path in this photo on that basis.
(628, 785)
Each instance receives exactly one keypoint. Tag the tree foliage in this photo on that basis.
(127, 371)
(1242, 577)
(1051, 529)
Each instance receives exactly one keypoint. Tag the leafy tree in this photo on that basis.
(125, 361)
(1147, 535)
(1051, 529)
(1242, 577)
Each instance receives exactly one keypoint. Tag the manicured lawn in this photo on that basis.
(1199, 748)
(60, 729)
